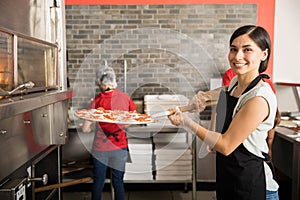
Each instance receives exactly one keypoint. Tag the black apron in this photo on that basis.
(115, 135)
(240, 175)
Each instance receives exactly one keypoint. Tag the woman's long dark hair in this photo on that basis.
(260, 36)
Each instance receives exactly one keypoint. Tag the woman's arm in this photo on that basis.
(246, 120)
(243, 124)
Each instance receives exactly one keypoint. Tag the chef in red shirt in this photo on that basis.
(110, 148)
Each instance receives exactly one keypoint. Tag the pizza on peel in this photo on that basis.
(114, 116)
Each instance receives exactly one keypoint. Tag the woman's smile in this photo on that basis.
(240, 64)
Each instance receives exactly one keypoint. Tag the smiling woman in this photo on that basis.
(249, 101)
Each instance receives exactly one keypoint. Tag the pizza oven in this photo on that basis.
(33, 98)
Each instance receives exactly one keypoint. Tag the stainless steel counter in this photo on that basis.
(286, 156)
(288, 134)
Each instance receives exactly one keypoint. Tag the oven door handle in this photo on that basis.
(44, 179)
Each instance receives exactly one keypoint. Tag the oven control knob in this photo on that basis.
(44, 179)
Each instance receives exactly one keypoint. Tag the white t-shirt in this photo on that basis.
(256, 142)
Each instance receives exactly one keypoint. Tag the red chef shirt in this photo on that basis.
(112, 100)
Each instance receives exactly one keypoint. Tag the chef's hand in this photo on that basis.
(87, 126)
(199, 101)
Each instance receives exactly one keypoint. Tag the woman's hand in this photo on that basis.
(210, 149)
(176, 118)
(199, 101)
(180, 119)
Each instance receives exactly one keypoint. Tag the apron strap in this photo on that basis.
(115, 135)
(252, 84)
(255, 81)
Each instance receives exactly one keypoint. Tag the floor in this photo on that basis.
(158, 191)
(161, 191)
(145, 195)
(146, 191)
(140, 191)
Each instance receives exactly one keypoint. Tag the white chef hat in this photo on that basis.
(107, 76)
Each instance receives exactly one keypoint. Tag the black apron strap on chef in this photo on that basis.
(269, 161)
(252, 84)
(115, 135)
(265, 76)
(255, 81)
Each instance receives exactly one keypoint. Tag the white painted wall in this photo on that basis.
(286, 67)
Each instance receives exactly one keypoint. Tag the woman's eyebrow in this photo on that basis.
(247, 45)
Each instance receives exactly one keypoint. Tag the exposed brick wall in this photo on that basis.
(168, 48)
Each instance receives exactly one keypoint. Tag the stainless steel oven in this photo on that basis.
(34, 98)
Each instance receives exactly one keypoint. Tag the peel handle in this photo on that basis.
(191, 107)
